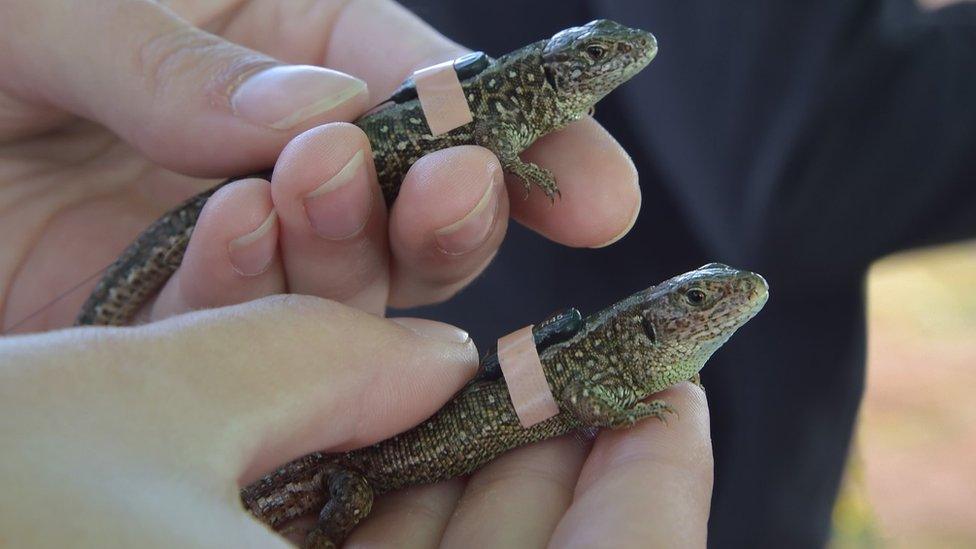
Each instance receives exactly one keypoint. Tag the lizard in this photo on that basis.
(514, 100)
(601, 376)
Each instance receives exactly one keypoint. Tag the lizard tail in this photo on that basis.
(146, 264)
(315, 483)
(350, 501)
(293, 491)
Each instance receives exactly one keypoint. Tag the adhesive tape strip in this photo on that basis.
(527, 385)
(442, 98)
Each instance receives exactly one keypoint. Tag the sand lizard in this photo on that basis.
(514, 100)
(600, 377)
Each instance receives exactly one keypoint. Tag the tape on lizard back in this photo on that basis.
(526, 381)
(442, 98)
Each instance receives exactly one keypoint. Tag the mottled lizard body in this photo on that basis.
(600, 377)
(515, 100)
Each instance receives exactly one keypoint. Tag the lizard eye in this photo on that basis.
(695, 296)
(596, 51)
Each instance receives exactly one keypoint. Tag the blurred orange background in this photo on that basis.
(911, 480)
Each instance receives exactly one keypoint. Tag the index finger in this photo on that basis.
(647, 486)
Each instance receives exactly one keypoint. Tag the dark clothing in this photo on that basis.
(798, 139)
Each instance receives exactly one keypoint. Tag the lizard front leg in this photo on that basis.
(350, 500)
(598, 406)
(532, 174)
(507, 138)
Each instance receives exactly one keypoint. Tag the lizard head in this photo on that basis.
(668, 332)
(583, 64)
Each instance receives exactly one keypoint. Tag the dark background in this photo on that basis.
(798, 139)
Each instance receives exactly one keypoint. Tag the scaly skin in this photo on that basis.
(599, 377)
(517, 99)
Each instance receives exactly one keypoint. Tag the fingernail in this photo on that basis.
(251, 254)
(284, 96)
(630, 225)
(339, 208)
(434, 330)
(470, 231)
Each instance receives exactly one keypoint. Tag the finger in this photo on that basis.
(280, 377)
(527, 490)
(333, 219)
(446, 225)
(599, 195)
(414, 517)
(390, 57)
(232, 256)
(647, 486)
(187, 99)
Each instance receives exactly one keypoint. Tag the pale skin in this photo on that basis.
(157, 92)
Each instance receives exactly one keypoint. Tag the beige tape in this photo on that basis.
(526, 381)
(442, 98)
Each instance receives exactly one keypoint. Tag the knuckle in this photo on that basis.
(166, 59)
(169, 54)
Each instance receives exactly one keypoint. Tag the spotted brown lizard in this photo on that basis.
(600, 376)
(514, 100)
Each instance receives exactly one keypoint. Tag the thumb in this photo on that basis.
(646, 486)
(187, 99)
(285, 376)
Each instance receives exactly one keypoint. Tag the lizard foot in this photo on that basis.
(598, 406)
(532, 174)
(657, 409)
(350, 500)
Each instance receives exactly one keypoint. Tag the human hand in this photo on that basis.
(142, 437)
(171, 105)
